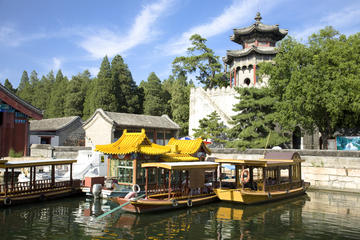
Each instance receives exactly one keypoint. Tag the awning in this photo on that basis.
(182, 165)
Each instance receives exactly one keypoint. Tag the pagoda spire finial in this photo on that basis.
(258, 17)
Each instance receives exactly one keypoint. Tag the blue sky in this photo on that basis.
(44, 35)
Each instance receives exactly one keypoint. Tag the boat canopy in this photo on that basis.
(189, 146)
(20, 164)
(177, 157)
(181, 165)
(259, 162)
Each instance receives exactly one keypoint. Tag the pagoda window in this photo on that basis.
(1, 118)
(247, 81)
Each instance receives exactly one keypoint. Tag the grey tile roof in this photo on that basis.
(52, 124)
(136, 120)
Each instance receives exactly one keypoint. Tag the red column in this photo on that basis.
(26, 137)
(254, 74)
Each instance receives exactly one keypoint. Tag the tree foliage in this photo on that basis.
(9, 86)
(212, 128)
(155, 101)
(254, 123)
(128, 96)
(318, 83)
(201, 61)
(179, 102)
(58, 94)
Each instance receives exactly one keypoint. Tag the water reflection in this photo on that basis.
(318, 215)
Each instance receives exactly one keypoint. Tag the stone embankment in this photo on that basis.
(324, 169)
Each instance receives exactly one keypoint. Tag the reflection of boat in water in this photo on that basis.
(229, 211)
(172, 191)
(275, 177)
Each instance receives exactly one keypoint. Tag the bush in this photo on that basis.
(14, 154)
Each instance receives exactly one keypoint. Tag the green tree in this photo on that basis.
(56, 105)
(154, 96)
(211, 128)
(103, 93)
(179, 102)
(128, 96)
(75, 96)
(24, 90)
(9, 86)
(318, 83)
(43, 91)
(254, 120)
(202, 61)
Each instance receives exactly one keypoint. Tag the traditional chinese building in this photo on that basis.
(14, 122)
(65, 131)
(258, 42)
(105, 127)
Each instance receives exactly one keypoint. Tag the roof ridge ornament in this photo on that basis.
(258, 17)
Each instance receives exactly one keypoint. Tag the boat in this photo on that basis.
(274, 177)
(125, 156)
(14, 192)
(172, 185)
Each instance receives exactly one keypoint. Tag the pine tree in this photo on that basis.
(9, 86)
(211, 128)
(24, 90)
(75, 96)
(154, 103)
(103, 94)
(179, 102)
(58, 93)
(127, 93)
(254, 125)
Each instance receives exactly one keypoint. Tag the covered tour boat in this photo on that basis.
(274, 177)
(172, 185)
(14, 192)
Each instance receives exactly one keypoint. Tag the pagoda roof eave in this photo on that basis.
(231, 54)
(241, 33)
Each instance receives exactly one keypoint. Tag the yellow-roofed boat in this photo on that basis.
(276, 176)
(172, 185)
(133, 149)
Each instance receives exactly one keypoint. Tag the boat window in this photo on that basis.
(160, 138)
(122, 170)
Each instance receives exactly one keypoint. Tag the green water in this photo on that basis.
(317, 215)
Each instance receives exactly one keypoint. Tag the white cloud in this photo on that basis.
(56, 63)
(238, 12)
(107, 42)
(347, 19)
(10, 36)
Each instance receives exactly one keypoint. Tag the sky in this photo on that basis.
(73, 36)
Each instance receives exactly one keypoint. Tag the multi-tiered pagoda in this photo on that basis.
(258, 42)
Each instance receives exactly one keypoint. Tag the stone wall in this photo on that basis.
(203, 102)
(326, 170)
(48, 151)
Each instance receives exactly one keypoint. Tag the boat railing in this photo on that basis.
(38, 186)
(284, 186)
